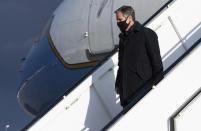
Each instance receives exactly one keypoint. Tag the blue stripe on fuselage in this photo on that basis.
(44, 78)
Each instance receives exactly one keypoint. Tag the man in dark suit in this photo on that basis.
(139, 56)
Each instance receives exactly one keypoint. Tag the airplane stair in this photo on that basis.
(93, 104)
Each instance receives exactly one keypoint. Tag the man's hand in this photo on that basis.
(117, 90)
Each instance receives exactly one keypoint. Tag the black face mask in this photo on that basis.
(122, 25)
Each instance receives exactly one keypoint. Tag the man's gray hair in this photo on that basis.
(126, 11)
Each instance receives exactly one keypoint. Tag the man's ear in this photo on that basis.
(129, 19)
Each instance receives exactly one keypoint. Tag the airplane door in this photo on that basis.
(100, 28)
(144, 9)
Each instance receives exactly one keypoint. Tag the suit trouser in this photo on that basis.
(140, 91)
(126, 102)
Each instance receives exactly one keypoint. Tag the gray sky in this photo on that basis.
(20, 23)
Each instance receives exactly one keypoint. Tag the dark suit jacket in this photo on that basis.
(139, 60)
